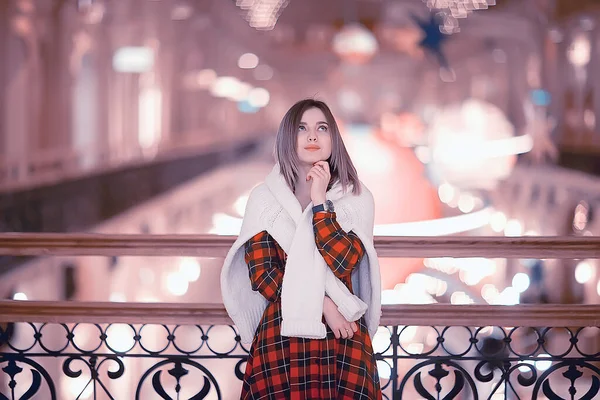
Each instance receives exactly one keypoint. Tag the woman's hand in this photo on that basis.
(336, 321)
(320, 176)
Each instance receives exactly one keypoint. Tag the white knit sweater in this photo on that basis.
(273, 207)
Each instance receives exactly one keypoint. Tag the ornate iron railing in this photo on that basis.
(70, 350)
(440, 351)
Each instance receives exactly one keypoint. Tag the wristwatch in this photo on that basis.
(327, 206)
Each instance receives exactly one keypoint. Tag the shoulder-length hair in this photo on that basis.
(286, 152)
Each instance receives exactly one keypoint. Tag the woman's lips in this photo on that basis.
(312, 148)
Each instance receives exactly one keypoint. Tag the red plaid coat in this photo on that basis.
(281, 367)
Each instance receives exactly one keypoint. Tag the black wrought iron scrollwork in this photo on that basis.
(179, 361)
(573, 373)
(439, 373)
(178, 371)
(15, 369)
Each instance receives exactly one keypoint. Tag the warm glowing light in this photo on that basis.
(404, 293)
(473, 270)
(259, 97)
(579, 52)
(224, 224)
(205, 77)
(543, 365)
(584, 272)
(133, 59)
(262, 14)
(498, 221)
(117, 297)
(466, 203)
(513, 228)
(189, 267)
(432, 285)
(523, 368)
(381, 340)
(508, 297)
(19, 296)
(521, 282)
(149, 118)
(240, 205)
(225, 86)
(446, 193)
(384, 370)
(177, 284)
(437, 227)
(120, 337)
(460, 298)
(248, 61)
(489, 292)
(355, 43)
(473, 144)
(263, 73)
(181, 12)
(423, 154)
(80, 388)
(407, 334)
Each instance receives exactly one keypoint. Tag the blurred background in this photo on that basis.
(463, 117)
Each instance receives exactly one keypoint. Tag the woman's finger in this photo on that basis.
(311, 174)
(324, 165)
(319, 173)
(354, 327)
(349, 332)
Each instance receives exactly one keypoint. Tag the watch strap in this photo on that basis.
(319, 208)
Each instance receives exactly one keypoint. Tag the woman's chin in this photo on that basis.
(311, 158)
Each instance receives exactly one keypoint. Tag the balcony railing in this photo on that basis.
(77, 350)
(53, 165)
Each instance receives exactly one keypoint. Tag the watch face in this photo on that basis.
(330, 207)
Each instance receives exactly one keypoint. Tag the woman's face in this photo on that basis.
(314, 140)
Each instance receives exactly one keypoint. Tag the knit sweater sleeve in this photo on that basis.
(265, 265)
(341, 250)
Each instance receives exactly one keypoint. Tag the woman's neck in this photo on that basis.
(302, 186)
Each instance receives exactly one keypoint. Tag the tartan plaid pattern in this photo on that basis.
(281, 367)
(342, 251)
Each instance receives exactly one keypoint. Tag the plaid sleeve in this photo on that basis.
(264, 265)
(342, 251)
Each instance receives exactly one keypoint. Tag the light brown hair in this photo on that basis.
(286, 152)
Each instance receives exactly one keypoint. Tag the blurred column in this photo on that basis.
(595, 80)
(54, 124)
(4, 33)
(517, 87)
(18, 85)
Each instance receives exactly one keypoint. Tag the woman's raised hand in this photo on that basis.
(319, 175)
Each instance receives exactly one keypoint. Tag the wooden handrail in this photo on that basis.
(555, 315)
(58, 244)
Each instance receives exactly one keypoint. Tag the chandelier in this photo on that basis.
(354, 43)
(262, 14)
(453, 10)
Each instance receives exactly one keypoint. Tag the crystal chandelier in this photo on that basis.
(355, 44)
(453, 10)
(262, 14)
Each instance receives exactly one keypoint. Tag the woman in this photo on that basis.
(288, 282)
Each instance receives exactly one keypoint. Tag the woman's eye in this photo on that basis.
(323, 128)
(301, 128)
